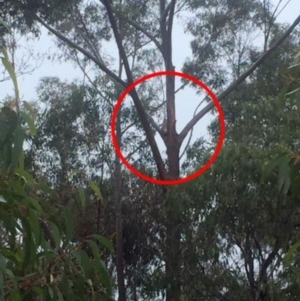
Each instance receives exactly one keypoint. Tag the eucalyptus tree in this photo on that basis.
(83, 27)
(244, 225)
(286, 167)
(71, 148)
(38, 258)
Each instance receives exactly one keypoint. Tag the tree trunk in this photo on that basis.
(172, 258)
(119, 224)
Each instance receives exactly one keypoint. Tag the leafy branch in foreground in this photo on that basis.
(38, 259)
(287, 162)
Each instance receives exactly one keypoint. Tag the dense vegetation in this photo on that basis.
(77, 225)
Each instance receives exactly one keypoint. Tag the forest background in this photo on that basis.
(77, 225)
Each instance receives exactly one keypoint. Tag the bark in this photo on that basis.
(119, 221)
(172, 254)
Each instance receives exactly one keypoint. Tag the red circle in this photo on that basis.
(201, 170)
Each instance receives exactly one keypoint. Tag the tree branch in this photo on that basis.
(137, 102)
(138, 27)
(171, 8)
(234, 85)
(118, 80)
(100, 64)
(190, 138)
(165, 13)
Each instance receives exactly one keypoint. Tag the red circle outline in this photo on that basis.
(195, 174)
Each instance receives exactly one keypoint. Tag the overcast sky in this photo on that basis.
(186, 100)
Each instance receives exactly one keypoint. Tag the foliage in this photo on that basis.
(237, 228)
(288, 161)
(20, 13)
(287, 165)
(38, 259)
(233, 229)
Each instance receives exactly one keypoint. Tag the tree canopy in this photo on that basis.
(77, 225)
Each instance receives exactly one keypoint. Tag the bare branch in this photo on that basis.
(234, 85)
(92, 82)
(141, 146)
(141, 29)
(191, 134)
(151, 120)
(165, 13)
(100, 64)
(84, 33)
(285, 5)
(118, 80)
(171, 17)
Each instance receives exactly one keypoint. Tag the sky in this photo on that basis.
(186, 100)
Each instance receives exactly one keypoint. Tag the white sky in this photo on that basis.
(186, 99)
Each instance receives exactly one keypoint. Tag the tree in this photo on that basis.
(238, 214)
(38, 259)
(286, 167)
(117, 20)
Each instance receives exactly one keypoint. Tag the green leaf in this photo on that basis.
(39, 291)
(13, 278)
(34, 204)
(44, 186)
(1, 286)
(28, 244)
(272, 164)
(297, 55)
(29, 108)
(18, 148)
(30, 123)
(287, 185)
(96, 190)
(10, 69)
(291, 252)
(105, 278)
(4, 24)
(82, 197)
(2, 262)
(98, 265)
(292, 92)
(73, 173)
(282, 98)
(69, 224)
(55, 233)
(59, 295)
(297, 96)
(26, 175)
(21, 160)
(15, 296)
(294, 65)
(284, 174)
(105, 242)
(66, 287)
(50, 292)
(35, 226)
(95, 250)
(84, 262)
